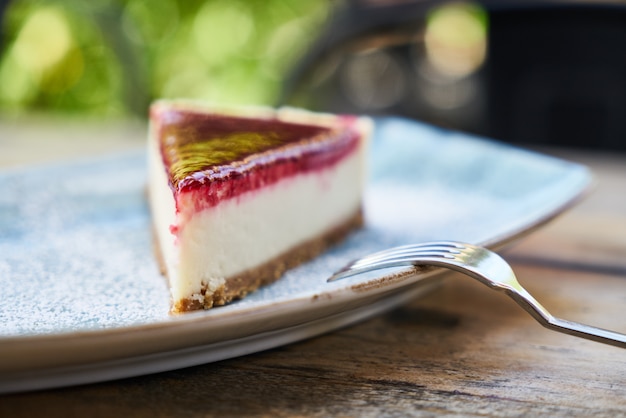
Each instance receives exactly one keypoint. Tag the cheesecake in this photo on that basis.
(239, 195)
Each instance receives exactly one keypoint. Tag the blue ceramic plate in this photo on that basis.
(82, 299)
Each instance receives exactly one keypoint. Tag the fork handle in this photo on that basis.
(601, 335)
(586, 331)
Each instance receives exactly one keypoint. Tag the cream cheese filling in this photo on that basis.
(246, 231)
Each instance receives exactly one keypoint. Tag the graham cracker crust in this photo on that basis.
(238, 286)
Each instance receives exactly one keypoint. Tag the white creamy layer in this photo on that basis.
(246, 231)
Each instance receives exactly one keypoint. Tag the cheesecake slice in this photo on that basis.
(240, 195)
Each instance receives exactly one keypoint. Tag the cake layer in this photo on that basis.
(221, 242)
(271, 270)
(238, 196)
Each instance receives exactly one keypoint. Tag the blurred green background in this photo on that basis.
(550, 72)
(112, 57)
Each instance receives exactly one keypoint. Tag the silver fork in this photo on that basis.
(485, 266)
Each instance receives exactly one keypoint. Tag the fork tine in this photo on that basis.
(399, 257)
(416, 257)
(406, 249)
(405, 261)
(447, 244)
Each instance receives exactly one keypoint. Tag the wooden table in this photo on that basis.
(463, 350)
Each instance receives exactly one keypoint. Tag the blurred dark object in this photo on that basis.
(550, 73)
(3, 6)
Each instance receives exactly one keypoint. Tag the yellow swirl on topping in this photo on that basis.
(188, 158)
(197, 146)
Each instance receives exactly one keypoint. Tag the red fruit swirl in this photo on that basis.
(219, 157)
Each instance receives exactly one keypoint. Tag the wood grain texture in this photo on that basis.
(461, 351)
